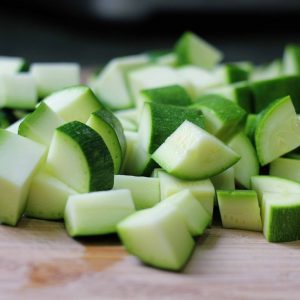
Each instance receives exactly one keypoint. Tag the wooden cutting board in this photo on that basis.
(39, 261)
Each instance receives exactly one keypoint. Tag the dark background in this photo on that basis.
(68, 30)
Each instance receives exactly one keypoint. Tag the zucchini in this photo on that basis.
(18, 91)
(285, 167)
(158, 122)
(281, 215)
(40, 124)
(137, 185)
(152, 76)
(111, 85)
(97, 213)
(159, 237)
(222, 117)
(239, 210)
(191, 49)
(196, 216)
(240, 93)
(224, 180)
(192, 153)
(266, 91)
(172, 94)
(269, 71)
(248, 165)
(110, 129)
(202, 190)
(291, 59)
(47, 197)
(79, 157)
(11, 65)
(273, 184)
(232, 73)
(198, 79)
(20, 158)
(52, 77)
(74, 103)
(277, 131)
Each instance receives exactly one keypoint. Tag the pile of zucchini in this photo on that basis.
(152, 145)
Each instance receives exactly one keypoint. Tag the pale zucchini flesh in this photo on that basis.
(98, 212)
(202, 190)
(158, 237)
(277, 131)
(196, 216)
(145, 191)
(192, 153)
(239, 209)
(20, 158)
(47, 197)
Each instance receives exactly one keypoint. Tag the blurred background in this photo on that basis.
(93, 31)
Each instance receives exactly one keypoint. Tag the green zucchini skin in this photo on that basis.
(97, 154)
(266, 91)
(111, 130)
(108, 117)
(172, 94)
(165, 119)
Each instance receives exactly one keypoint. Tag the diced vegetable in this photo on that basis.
(137, 186)
(110, 129)
(79, 157)
(47, 197)
(196, 216)
(202, 190)
(192, 153)
(158, 237)
(20, 158)
(277, 130)
(52, 77)
(239, 210)
(98, 212)
(191, 49)
(281, 216)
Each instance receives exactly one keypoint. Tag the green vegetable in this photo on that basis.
(97, 213)
(192, 153)
(79, 157)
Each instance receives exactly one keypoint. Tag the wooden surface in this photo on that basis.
(39, 261)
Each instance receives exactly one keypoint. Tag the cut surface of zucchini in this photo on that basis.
(47, 197)
(196, 216)
(98, 212)
(159, 121)
(239, 209)
(40, 124)
(248, 165)
(158, 237)
(192, 153)
(74, 103)
(277, 130)
(191, 49)
(223, 118)
(145, 191)
(273, 184)
(202, 190)
(18, 91)
(20, 158)
(52, 77)
(111, 85)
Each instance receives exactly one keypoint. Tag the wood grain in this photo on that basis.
(39, 261)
